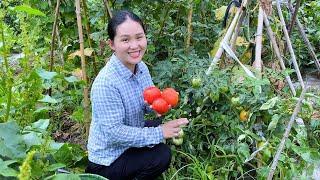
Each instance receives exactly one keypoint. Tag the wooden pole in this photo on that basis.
(286, 135)
(84, 4)
(293, 57)
(53, 35)
(83, 66)
(277, 51)
(294, 16)
(257, 64)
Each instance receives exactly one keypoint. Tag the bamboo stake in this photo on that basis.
(294, 16)
(286, 134)
(257, 64)
(83, 66)
(53, 35)
(59, 44)
(237, 31)
(305, 39)
(84, 4)
(226, 37)
(106, 5)
(277, 51)
(189, 28)
(293, 57)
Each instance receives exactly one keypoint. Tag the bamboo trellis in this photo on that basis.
(257, 64)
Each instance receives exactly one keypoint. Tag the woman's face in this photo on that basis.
(129, 43)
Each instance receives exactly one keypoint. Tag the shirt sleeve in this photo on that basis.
(109, 111)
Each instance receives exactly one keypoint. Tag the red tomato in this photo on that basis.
(160, 106)
(171, 96)
(150, 94)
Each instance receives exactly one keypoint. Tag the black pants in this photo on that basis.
(136, 163)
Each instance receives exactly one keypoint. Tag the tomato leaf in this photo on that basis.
(269, 104)
(5, 170)
(29, 10)
(48, 99)
(274, 122)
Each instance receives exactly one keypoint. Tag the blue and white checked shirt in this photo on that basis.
(118, 112)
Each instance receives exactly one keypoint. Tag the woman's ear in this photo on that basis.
(111, 44)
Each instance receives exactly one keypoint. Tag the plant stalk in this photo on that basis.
(189, 28)
(86, 16)
(163, 22)
(8, 78)
(107, 7)
(83, 67)
(53, 35)
(294, 16)
(237, 31)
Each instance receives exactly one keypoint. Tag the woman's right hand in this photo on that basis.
(172, 128)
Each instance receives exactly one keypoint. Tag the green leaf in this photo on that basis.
(241, 137)
(55, 145)
(71, 79)
(11, 142)
(32, 139)
(46, 74)
(29, 10)
(41, 124)
(269, 104)
(48, 99)
(274, 122)
(243, 151)
(5, 170)
(41, 109)
(64, 177)
(56, 166)
(69, 154)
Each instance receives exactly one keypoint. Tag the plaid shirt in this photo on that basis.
(118, 112)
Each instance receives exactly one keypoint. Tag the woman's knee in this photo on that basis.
(164, 155)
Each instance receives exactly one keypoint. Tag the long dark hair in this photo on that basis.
(118, 18)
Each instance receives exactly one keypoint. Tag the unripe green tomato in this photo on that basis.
(235, 101)
(177, 141)
(181, 133)
(224, 89)
(214, 96)
(196, 82)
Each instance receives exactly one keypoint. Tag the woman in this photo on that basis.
(121, 144)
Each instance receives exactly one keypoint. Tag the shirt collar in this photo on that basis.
(123, 70)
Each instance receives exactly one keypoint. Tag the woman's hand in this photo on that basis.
(172, 128)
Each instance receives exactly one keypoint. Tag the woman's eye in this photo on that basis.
(140, 37)
(125, 40)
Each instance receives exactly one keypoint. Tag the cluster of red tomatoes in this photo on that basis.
(161, 102)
